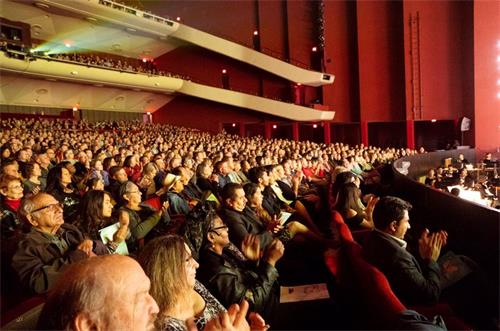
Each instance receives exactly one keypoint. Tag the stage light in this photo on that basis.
(314, 49)
(67, 45)
(149, 113)
(275, 126)
(315, 126)
(224, 71)
(256, 33)
(144, 60)
(434, 120)
(178, 19)
(299, 84)
(233, 125)
(75, 108)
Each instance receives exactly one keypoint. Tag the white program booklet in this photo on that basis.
(303, 293)
(284, 216)
(107, 235)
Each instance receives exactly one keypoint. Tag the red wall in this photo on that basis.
(487, 76)
(272, 28)
(341, 59)
(381, 65)
(444, 62)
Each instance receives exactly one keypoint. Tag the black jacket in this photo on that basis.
(231, 280)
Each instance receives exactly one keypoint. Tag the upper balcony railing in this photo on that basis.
(170, 22)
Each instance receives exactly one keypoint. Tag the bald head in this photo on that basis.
(84, 297)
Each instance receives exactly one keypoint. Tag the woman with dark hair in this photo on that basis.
(60, 186)
(132, 168)
(32, 183)
(142, 218)
(349, 205)
(96, 210)
(6, 152)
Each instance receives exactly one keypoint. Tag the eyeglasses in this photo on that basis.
(223, 227)
(54, 205)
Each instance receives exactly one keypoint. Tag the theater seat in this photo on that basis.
(25, 315)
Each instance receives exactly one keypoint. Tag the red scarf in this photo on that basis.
(12, 204)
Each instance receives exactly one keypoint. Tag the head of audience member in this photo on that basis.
(58, 179)
(11, 168)
(68, 165)
(216, 236)
(391, 216)
(168, 262)
(222, 167)
(95, 184)
(11, 187)
(23, 155)
(6, 152)
(43, 212)
(233, 197)
(95, 211)
(130, 195)
(253, 194)
(455, 191)
(107, 163)
(31, 170)
(69, 155)
(184, 173)
(118, 173)
(173, 183)
(259, 176)
(82, 297)
(150, 170)
(130, 161)
(43, 160)
(204, 170)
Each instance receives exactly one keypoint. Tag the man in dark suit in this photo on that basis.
(413, 280)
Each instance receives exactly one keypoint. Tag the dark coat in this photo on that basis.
(241, 224)
(231, 281)
(40, 257)
(412, 282)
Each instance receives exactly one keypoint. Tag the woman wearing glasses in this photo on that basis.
(232, 277)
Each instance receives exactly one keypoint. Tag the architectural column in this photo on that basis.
(410, 134)
(326, 132)
(364, 132)
(295, 131)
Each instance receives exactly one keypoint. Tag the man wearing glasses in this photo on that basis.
(50, 245)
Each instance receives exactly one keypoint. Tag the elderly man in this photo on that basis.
(83, 298)
(50, 245)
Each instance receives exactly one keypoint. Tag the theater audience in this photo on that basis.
(50, 245)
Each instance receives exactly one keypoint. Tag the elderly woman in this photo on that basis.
(11, 193)
(96, 210)
(182, 300)
(142, 218)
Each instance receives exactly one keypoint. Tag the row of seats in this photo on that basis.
(365, 291)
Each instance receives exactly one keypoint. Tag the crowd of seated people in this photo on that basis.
(62, 182)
